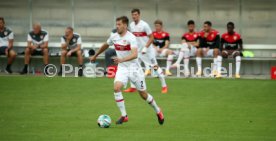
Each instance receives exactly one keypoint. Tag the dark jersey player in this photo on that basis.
(231, 46)
(209, 43)
(161, 44)
(6, 44)
(37, 44)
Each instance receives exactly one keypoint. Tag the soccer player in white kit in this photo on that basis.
(146, 52)
(128, 68)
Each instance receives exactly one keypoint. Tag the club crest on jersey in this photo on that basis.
(41, 36)
(74, 39)
(195, 36)
(5, 33)
(235, 37)
(163, 34)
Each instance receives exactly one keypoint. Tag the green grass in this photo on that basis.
(65, 109)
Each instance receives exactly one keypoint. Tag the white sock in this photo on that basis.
(152, 102)
(198, 62)
(169, 61)
(120, 103)
(161, 77)
(186, 61)
(219, 62)
(181, 53)
(238, 64)
(132, 85)
(215, 64)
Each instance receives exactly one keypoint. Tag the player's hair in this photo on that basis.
(191, 22)
(70, 28)
(231, 24)
(208, 23)
(158, 22)
(2, 19)
(124, 19)
(135, 10)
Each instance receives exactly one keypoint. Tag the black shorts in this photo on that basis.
(37, 53)
(74, 54)
(3, 50)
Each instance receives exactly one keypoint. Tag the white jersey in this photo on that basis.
(5, 36)
(123, 46)
(141, 31)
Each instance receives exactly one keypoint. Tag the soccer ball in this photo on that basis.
(104, 121)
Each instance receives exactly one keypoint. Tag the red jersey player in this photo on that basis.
(161, 44)
(209, 41)
(231, 46)
(190, 43)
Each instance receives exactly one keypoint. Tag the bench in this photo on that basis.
(265, 57)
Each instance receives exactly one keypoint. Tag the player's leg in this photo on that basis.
(120, 101)
(169, 54)
(140, 83)
(214, 53)
(11, 56)
(237, 56)
(152, 60)
(45, 53)
(120, 80)
(80, 62)
(62, 60)
(184, 52)
(219, 64)
(27, 56)
(199, 54)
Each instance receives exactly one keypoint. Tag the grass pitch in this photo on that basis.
(65, 109)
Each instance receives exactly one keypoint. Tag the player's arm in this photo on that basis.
(167, 42)
(150, 35)
(133, 55)
(76, 48)
(217, 42)
(202, 42)
(195, 44)
(222, 42)
(10, 41)
(79, 42)
(101, 50)
(45, 40)
(10, 44)
(29, 43)
(240, 42)
(150, 41)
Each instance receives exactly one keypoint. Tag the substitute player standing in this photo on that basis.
(190, 43)
(161, 44)
(128, 68)
(6, 44)
(231, 46)
(146, 52)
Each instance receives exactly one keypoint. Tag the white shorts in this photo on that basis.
(149, 57)
(193, 50)
(162, 54)
(135, 74)
(209, 53)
